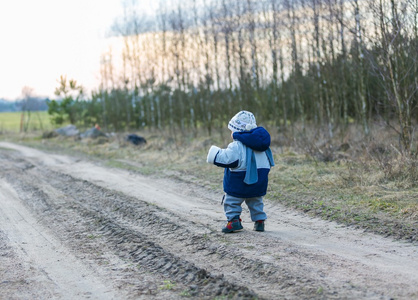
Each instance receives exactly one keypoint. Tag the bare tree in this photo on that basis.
(252, 11)
(27, 93)
(295, 97)
(361, 85)
(397, 69)
(227, 30)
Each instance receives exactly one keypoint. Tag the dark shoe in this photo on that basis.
(259, 225)
(233, 225)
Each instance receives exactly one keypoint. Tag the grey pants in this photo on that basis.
(232, 207)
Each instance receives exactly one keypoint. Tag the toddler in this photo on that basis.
(247, 161)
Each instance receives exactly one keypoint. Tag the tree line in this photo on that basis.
(197, 62)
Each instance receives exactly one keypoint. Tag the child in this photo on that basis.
(247, 162)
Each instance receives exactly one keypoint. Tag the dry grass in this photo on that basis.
(353, 180)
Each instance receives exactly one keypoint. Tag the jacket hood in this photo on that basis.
(257, 139)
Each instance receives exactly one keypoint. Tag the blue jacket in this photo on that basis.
(247, 161)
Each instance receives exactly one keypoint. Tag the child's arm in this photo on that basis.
(225, 158)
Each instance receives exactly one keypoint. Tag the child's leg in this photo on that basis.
(256, 207)
(232, 206)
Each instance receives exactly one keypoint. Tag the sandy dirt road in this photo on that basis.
(72, 229)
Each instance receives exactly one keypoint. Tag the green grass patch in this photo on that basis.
(36, 121)
(167, 285)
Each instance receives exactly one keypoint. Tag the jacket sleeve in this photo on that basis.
(213, 151)
(225, 158)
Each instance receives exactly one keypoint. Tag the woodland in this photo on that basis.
(299, 64)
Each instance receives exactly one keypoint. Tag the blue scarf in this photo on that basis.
(251, 175)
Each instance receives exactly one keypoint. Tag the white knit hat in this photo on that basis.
(242, 121)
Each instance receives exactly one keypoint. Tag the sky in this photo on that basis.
(40, 40)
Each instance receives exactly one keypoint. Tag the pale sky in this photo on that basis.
(40, 40)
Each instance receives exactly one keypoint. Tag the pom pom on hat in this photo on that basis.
(242, 121)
